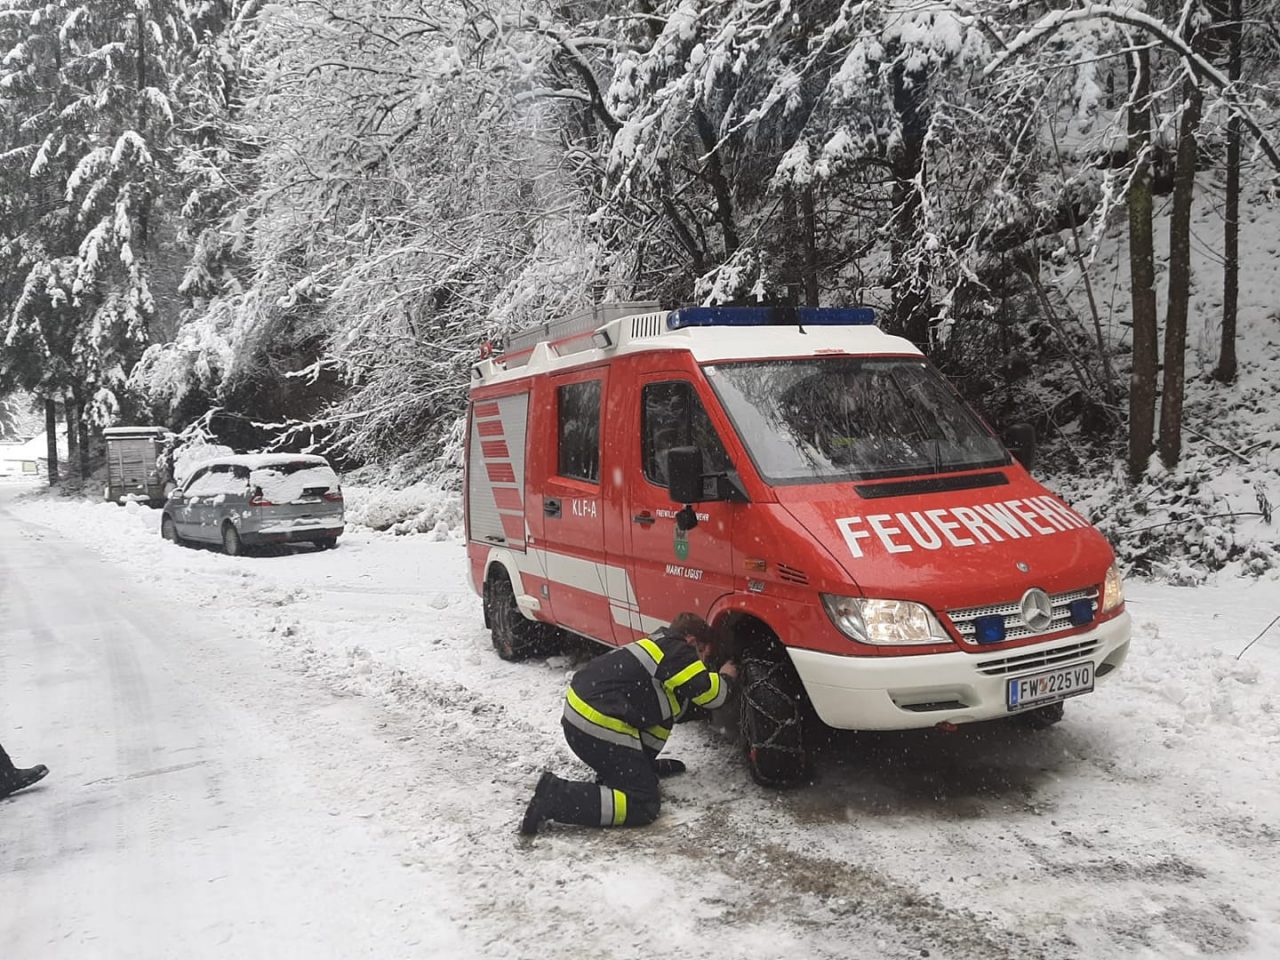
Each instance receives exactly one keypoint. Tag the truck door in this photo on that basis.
(674, 570)
(572, 543)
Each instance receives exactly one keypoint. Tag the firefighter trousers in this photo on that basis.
(625, 793)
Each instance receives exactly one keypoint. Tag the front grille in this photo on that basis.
(1014, 626)
(1041, 658)
(791, 574)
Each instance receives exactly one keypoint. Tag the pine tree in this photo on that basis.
(91, 94)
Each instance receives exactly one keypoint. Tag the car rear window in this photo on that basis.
(286, 482)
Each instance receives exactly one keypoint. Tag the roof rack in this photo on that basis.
(566, 330)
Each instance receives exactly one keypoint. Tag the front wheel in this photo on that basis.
(515, 637)
(169, 530)
(327, 543)
(773, 721)
(232, 545)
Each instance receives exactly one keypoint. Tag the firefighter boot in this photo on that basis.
(564, 801)
(668, 767)
(13, 779)
(540, 806)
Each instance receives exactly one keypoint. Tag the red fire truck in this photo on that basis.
(807, 483)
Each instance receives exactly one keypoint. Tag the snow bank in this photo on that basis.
(419, 508)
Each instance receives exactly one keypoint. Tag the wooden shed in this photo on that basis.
(132, 471)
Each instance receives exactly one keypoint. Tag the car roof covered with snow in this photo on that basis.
(260, 461)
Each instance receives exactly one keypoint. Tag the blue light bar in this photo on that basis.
(989, 629)
(769, 317)
(1081, 611)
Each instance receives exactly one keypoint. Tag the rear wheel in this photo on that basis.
(232, 545)
(515, 637)
(327, 543)
(773, 719)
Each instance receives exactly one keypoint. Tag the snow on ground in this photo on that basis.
(1147, 824)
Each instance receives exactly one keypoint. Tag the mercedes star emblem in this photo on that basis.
(1037, 609)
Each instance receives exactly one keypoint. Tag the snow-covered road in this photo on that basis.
(200, 802)
(318, 754)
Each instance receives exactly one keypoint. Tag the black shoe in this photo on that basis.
(538, 809)
(666, 767)
(20, 779)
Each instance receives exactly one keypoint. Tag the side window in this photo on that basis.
(228, 479)
(578, 414)
(673, 416)
(189, 487)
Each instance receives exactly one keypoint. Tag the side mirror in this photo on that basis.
(177, 494)
(684, 474)
(1021, 441)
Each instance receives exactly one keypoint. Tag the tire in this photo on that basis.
(772, 710)
(515, 637)
(1042, 718)
(327, 543)
(169, 530)
(232, 545)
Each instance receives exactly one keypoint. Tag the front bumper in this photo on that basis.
(911, 692)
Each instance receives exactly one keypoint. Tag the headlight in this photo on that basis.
(1113, 590)
(884, 621)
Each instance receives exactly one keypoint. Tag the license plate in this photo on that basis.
(1050, 686)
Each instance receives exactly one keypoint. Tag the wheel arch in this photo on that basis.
(748, 628)
(502, 561)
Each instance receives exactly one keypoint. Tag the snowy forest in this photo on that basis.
(297, 224)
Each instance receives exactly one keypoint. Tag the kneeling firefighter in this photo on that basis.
(618, 713)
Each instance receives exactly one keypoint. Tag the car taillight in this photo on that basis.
(260, 502)
(333, 496)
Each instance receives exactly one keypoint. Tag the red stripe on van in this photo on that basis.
(508, 498)
(495, 450)
(500, 472)
(513, 527)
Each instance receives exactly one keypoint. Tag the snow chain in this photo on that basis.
(765, 674)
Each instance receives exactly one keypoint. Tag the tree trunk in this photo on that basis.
(1226, 369)
(1175, 324)
(70, 413)
(809, 230)
(51, 438)
(84, 450)
(719, 183)
(911, 308)
(1142, 381)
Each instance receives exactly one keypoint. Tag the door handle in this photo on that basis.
(644, 518)
(551, 506)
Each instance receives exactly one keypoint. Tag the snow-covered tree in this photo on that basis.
(94, 93)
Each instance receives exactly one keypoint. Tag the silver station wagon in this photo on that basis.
(247, 500)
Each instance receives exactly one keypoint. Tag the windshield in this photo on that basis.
(823, 418)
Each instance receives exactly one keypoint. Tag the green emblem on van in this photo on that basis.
(682, 544)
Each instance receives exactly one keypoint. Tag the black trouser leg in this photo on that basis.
(6, 765)
(625, 793)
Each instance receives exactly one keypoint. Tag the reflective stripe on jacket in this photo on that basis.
(631, 696)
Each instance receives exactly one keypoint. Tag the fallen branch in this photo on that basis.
(1258, 637)
(1171, 523)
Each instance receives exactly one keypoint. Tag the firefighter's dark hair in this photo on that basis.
(691, 625)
